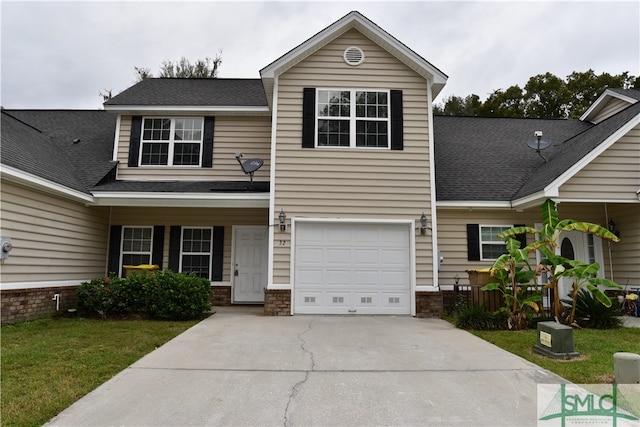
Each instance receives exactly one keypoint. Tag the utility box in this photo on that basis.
(555, 340)
(626, 367)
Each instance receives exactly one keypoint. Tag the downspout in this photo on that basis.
(272, 183)
(432, 185)
(606, 221)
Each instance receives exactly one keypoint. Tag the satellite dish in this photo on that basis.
(538, 143)
(249, 166)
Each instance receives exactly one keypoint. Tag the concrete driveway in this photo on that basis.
(239, 368)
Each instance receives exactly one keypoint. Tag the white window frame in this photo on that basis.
(352, 118)
(183, 252)
(490, 242)
(171, 141)
(123, 252)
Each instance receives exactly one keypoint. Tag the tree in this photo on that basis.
(206, 68)
(544, 96)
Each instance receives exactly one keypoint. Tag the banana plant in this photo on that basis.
(514, 276)
(558, 266)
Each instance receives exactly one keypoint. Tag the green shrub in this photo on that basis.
(478, 317)
(161, 295)
(591, 313)
(101, 296)
(177, 296)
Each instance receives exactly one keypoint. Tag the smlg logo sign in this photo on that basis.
(616, 405)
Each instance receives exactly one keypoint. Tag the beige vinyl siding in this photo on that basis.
(54, 239)
(625, 254)
(352, 183)
(452, 236)
(244, 134)
(194, 217)
(614, 175)
(612, 107)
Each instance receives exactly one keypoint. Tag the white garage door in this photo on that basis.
(343, 268)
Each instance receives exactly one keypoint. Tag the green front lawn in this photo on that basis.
(596, 348)
(49, 364)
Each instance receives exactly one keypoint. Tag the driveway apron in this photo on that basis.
(239, 368)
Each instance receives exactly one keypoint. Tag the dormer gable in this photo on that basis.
(353, 20)
(610, 102)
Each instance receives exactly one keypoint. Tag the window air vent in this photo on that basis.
(353, 55)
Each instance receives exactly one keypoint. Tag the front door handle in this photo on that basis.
(235, 273)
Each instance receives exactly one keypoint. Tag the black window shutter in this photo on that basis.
(134, 141)
(218, 252)
(158, 245)
(522, 238)
(397, 141)
(175, 241)
(207, 142)
(308, 117)
(473, 242)
(113, 262)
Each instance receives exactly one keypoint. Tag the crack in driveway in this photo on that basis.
(296, 388)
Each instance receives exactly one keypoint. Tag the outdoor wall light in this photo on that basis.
(612, 228)
(282, 217)
(423, 224)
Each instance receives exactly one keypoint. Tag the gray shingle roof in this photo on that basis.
(566, 154)
(89, 159)
(193, 92)
(631, 93)
(487, 158)
(30, 151)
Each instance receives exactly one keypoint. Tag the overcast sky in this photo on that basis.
(62, 54)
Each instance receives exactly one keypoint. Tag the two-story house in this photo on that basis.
(325, 186)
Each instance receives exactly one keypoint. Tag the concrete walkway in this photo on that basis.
(239, 368)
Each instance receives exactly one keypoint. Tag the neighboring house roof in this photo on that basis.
(564, 156)
(187, 92)
(487, 158)
(69, 147)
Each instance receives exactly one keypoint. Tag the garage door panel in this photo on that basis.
(352, 268)
(337, 277)
(337, 256)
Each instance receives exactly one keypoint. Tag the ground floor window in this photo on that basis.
(196, 251)
(491, 245)
(137, 243)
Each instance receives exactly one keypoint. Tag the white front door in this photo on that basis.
(582, 247)
(249, 264)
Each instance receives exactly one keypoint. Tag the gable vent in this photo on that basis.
(353, 55)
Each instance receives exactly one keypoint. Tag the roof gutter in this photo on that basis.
(181, 200)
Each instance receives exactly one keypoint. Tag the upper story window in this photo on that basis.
(492, 247)
(353, 118)
(171, 141)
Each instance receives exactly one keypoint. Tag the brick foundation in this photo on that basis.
(220, 295)
(277, 302)
(429, 304)
(21, 305)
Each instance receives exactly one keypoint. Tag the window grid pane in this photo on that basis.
(333, 133)
(172, 151)
(492, 246)
(196, 251)
(186, 154)
(155, 153)
(371, 134)
(136, 245)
